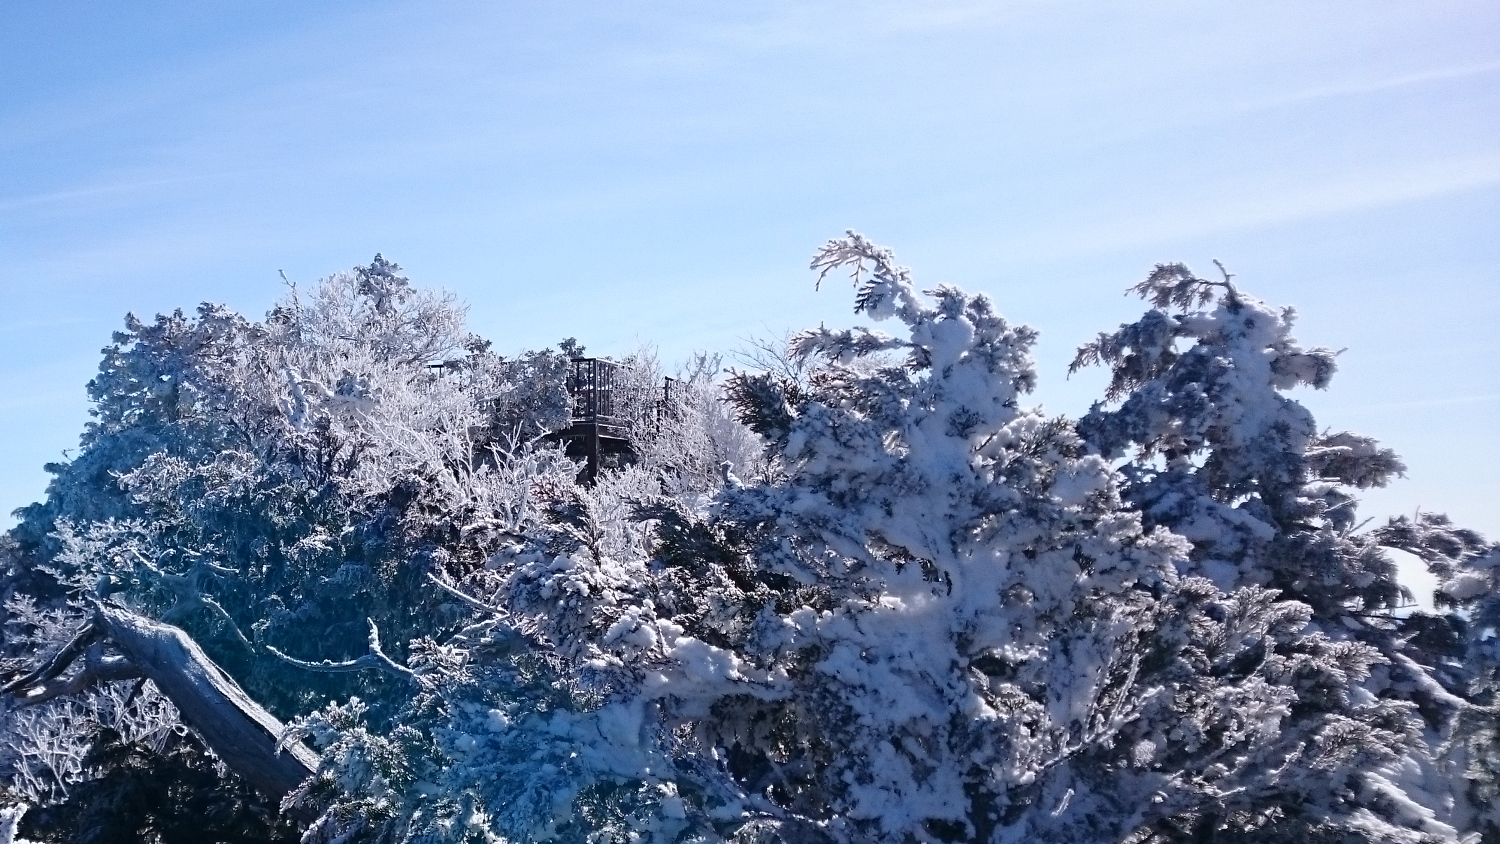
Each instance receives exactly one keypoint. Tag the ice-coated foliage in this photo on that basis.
(10, 818)
(1221, 456)
(1460, 655)
(692, 440)
(860, 593)
(271, 486)
(1226, 460)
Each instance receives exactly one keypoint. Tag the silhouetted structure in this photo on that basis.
(597, 433)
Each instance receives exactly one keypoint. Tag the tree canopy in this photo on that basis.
(328, 577)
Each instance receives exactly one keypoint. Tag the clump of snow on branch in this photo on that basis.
(860, 592)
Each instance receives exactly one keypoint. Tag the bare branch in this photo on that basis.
(103, 670)
(59, 662)
(376, 658)
(467, 599)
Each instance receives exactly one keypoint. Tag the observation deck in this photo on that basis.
(598, 432)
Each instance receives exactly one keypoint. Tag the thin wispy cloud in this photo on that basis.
(60, 321)
(1233, 112)
(1251, 206)
(1377, 86)
(855, 26)
(85, 196)
(164, 247)
(1449, 401)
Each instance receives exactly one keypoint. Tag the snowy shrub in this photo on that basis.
(858, 593)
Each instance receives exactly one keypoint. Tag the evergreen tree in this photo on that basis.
(889, 603)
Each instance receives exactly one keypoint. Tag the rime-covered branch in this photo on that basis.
(187, 592)
(376, 658)
(465, 598)
(242, 733)
(97, 668)
(59, 662)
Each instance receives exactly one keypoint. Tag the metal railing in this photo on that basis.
(593, 385)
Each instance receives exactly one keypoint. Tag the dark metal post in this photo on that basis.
(595, 431)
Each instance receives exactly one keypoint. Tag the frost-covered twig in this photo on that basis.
(469, 600)
(1174, 285)
(187, 592)
(376, 658)
(97, 669)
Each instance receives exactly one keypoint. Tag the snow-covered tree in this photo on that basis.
(1455, 659)
(271, 488)
(887, 603)
(1219, 454)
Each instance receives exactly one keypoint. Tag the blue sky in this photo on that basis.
(661, 172)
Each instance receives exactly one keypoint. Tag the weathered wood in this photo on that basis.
(58, 662)
(97, 668)
(234, 726)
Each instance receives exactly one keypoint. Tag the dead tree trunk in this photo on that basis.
(233, 725)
